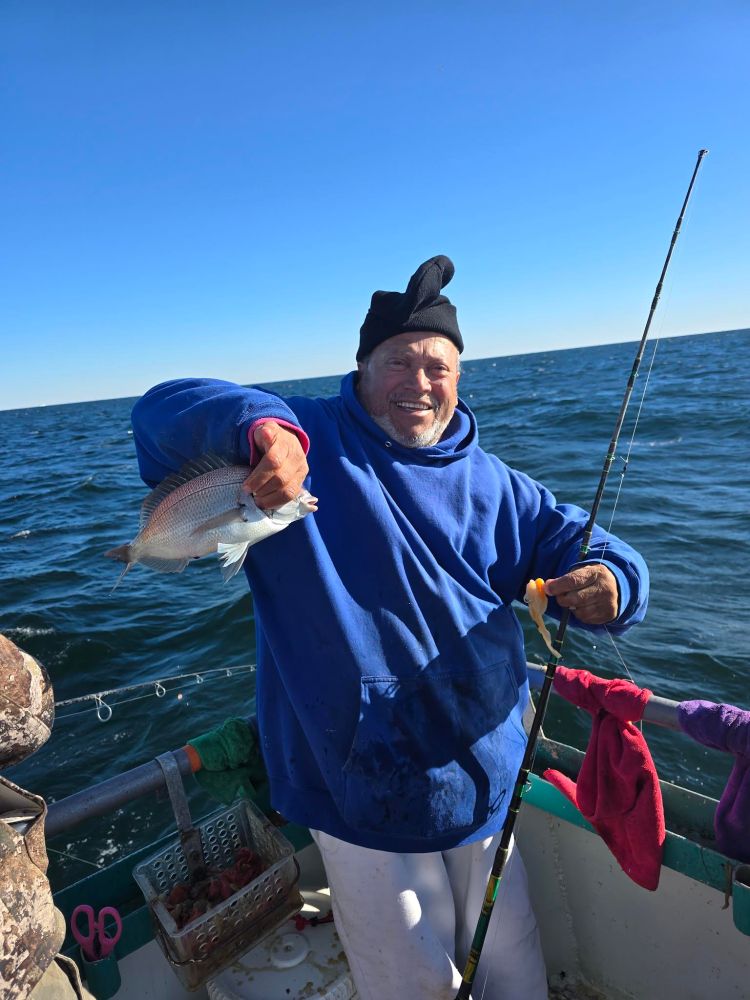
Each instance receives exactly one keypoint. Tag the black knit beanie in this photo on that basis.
(420, 307)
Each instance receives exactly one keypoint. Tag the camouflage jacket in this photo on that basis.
(30, 931)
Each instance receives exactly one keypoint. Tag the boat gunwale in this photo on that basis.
(687, 849)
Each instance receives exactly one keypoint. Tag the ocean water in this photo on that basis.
(70, 490)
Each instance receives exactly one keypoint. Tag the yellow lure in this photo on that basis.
(536, 599)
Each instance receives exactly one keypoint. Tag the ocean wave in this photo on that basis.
(658, 443)
(27, 632)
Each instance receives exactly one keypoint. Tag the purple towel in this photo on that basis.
(725, 727)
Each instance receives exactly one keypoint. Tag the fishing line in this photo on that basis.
(498, 920)
(228, 671)
(74, 857)
(104, 709)
(626, 460)
(621, 481)
(619, 655)
(631, 441)
(688, 209)
(104, 717)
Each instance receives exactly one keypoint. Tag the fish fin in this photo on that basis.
(191, 470)
(164, 565)
(121, 553)
(220, 521)
(231, 555)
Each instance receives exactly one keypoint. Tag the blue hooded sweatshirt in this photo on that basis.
(391, 667)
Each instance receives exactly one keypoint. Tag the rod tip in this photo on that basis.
(702, 152)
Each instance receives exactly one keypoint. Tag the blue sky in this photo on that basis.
(217, 188)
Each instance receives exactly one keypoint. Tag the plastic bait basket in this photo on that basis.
(212, 941)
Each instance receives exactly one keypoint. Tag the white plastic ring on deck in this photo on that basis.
(289, 950)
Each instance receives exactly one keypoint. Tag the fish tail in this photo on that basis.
(122, 554)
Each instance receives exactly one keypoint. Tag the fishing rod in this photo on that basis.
(104, 708)
(501, 856)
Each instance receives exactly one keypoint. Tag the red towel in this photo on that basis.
(618, 790)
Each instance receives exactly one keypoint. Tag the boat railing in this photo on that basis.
(115, 792)
(658, 712)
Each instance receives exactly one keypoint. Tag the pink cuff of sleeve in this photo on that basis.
(304, 440)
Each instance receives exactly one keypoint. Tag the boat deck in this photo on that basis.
(575, 991)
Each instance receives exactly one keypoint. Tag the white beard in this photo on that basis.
(425, 439)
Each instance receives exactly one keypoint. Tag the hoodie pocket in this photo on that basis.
(435, 754)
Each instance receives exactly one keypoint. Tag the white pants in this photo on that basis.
(406, 922)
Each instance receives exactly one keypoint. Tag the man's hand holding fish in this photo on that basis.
(282, 466)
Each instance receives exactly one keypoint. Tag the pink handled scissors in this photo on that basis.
(95, 943)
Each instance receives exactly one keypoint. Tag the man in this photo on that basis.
(391, 667)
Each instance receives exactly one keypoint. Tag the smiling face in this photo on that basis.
(408, 385)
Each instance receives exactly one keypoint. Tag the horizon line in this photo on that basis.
(492, 357)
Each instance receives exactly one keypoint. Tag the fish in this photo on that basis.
(536, 598)
(201, 510)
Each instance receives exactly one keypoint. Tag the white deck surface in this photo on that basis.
(604, 937)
